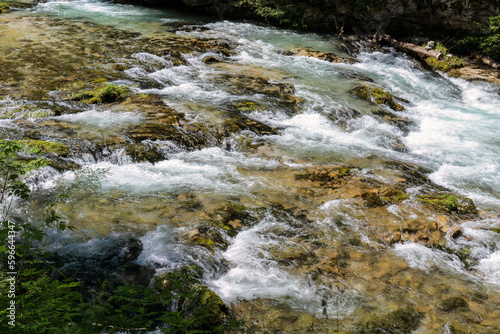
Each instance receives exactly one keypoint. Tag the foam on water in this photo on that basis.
(420, 257)
(490, 268)
(103, 119)
(457, 121)
(455, 134)
(163, 250)
(255, 274)
(307, 134)
(211, 170)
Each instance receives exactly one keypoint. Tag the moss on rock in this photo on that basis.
(378, 96)
(103, 94)
(326, 176)
(26, 111)
(46, 147)
(249, 106)
(394, 196)
(449, 203)
(4, 7)
(450, 65)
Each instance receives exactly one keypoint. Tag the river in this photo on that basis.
(278, 180)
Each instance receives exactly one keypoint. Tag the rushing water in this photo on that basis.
(453, 135)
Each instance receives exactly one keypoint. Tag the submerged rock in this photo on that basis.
(454, 303)
(399, 321)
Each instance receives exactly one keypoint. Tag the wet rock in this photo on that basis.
(195, 299)
(185, 27)
(133, 273)
(209, 303)
(412, 175)
(249, 106)
(132, 249)
(203, 242)
(399, 321)
(239, 122)
(456, 231)
(210, 60)
(372, 200)
(45, 147)
(327, 56)
(232, 217)
(326, 176)
(379, 96)
(208, 237)
(102, 93)
(393, 196)
(278, 94)
(454, 303)
(144, 153)
(450, 203)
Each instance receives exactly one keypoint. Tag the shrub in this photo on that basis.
(489, 45)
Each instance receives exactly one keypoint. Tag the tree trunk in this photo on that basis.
(409, 48)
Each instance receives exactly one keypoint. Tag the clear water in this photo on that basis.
(455, 135)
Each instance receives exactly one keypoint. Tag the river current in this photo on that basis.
(301, 250)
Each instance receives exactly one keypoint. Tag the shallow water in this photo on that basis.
(329, 258)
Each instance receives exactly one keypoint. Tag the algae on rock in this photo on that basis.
(379, 96)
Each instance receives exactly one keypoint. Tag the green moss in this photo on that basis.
(394, 196)
(378, 96)
(344, 172)
(448, 202)
(4, 7)
(244, 141)
(97, 91)
(447, 64)
(204, 242)
(249, 106)
(105, 94)
(46, 147)
(27, 111)
(326, 176)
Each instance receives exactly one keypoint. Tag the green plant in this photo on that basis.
(282, 12)
(43, 304)
(368, 5)
(488, 44)
(21, 249)
(87, 182)
(12, 171)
